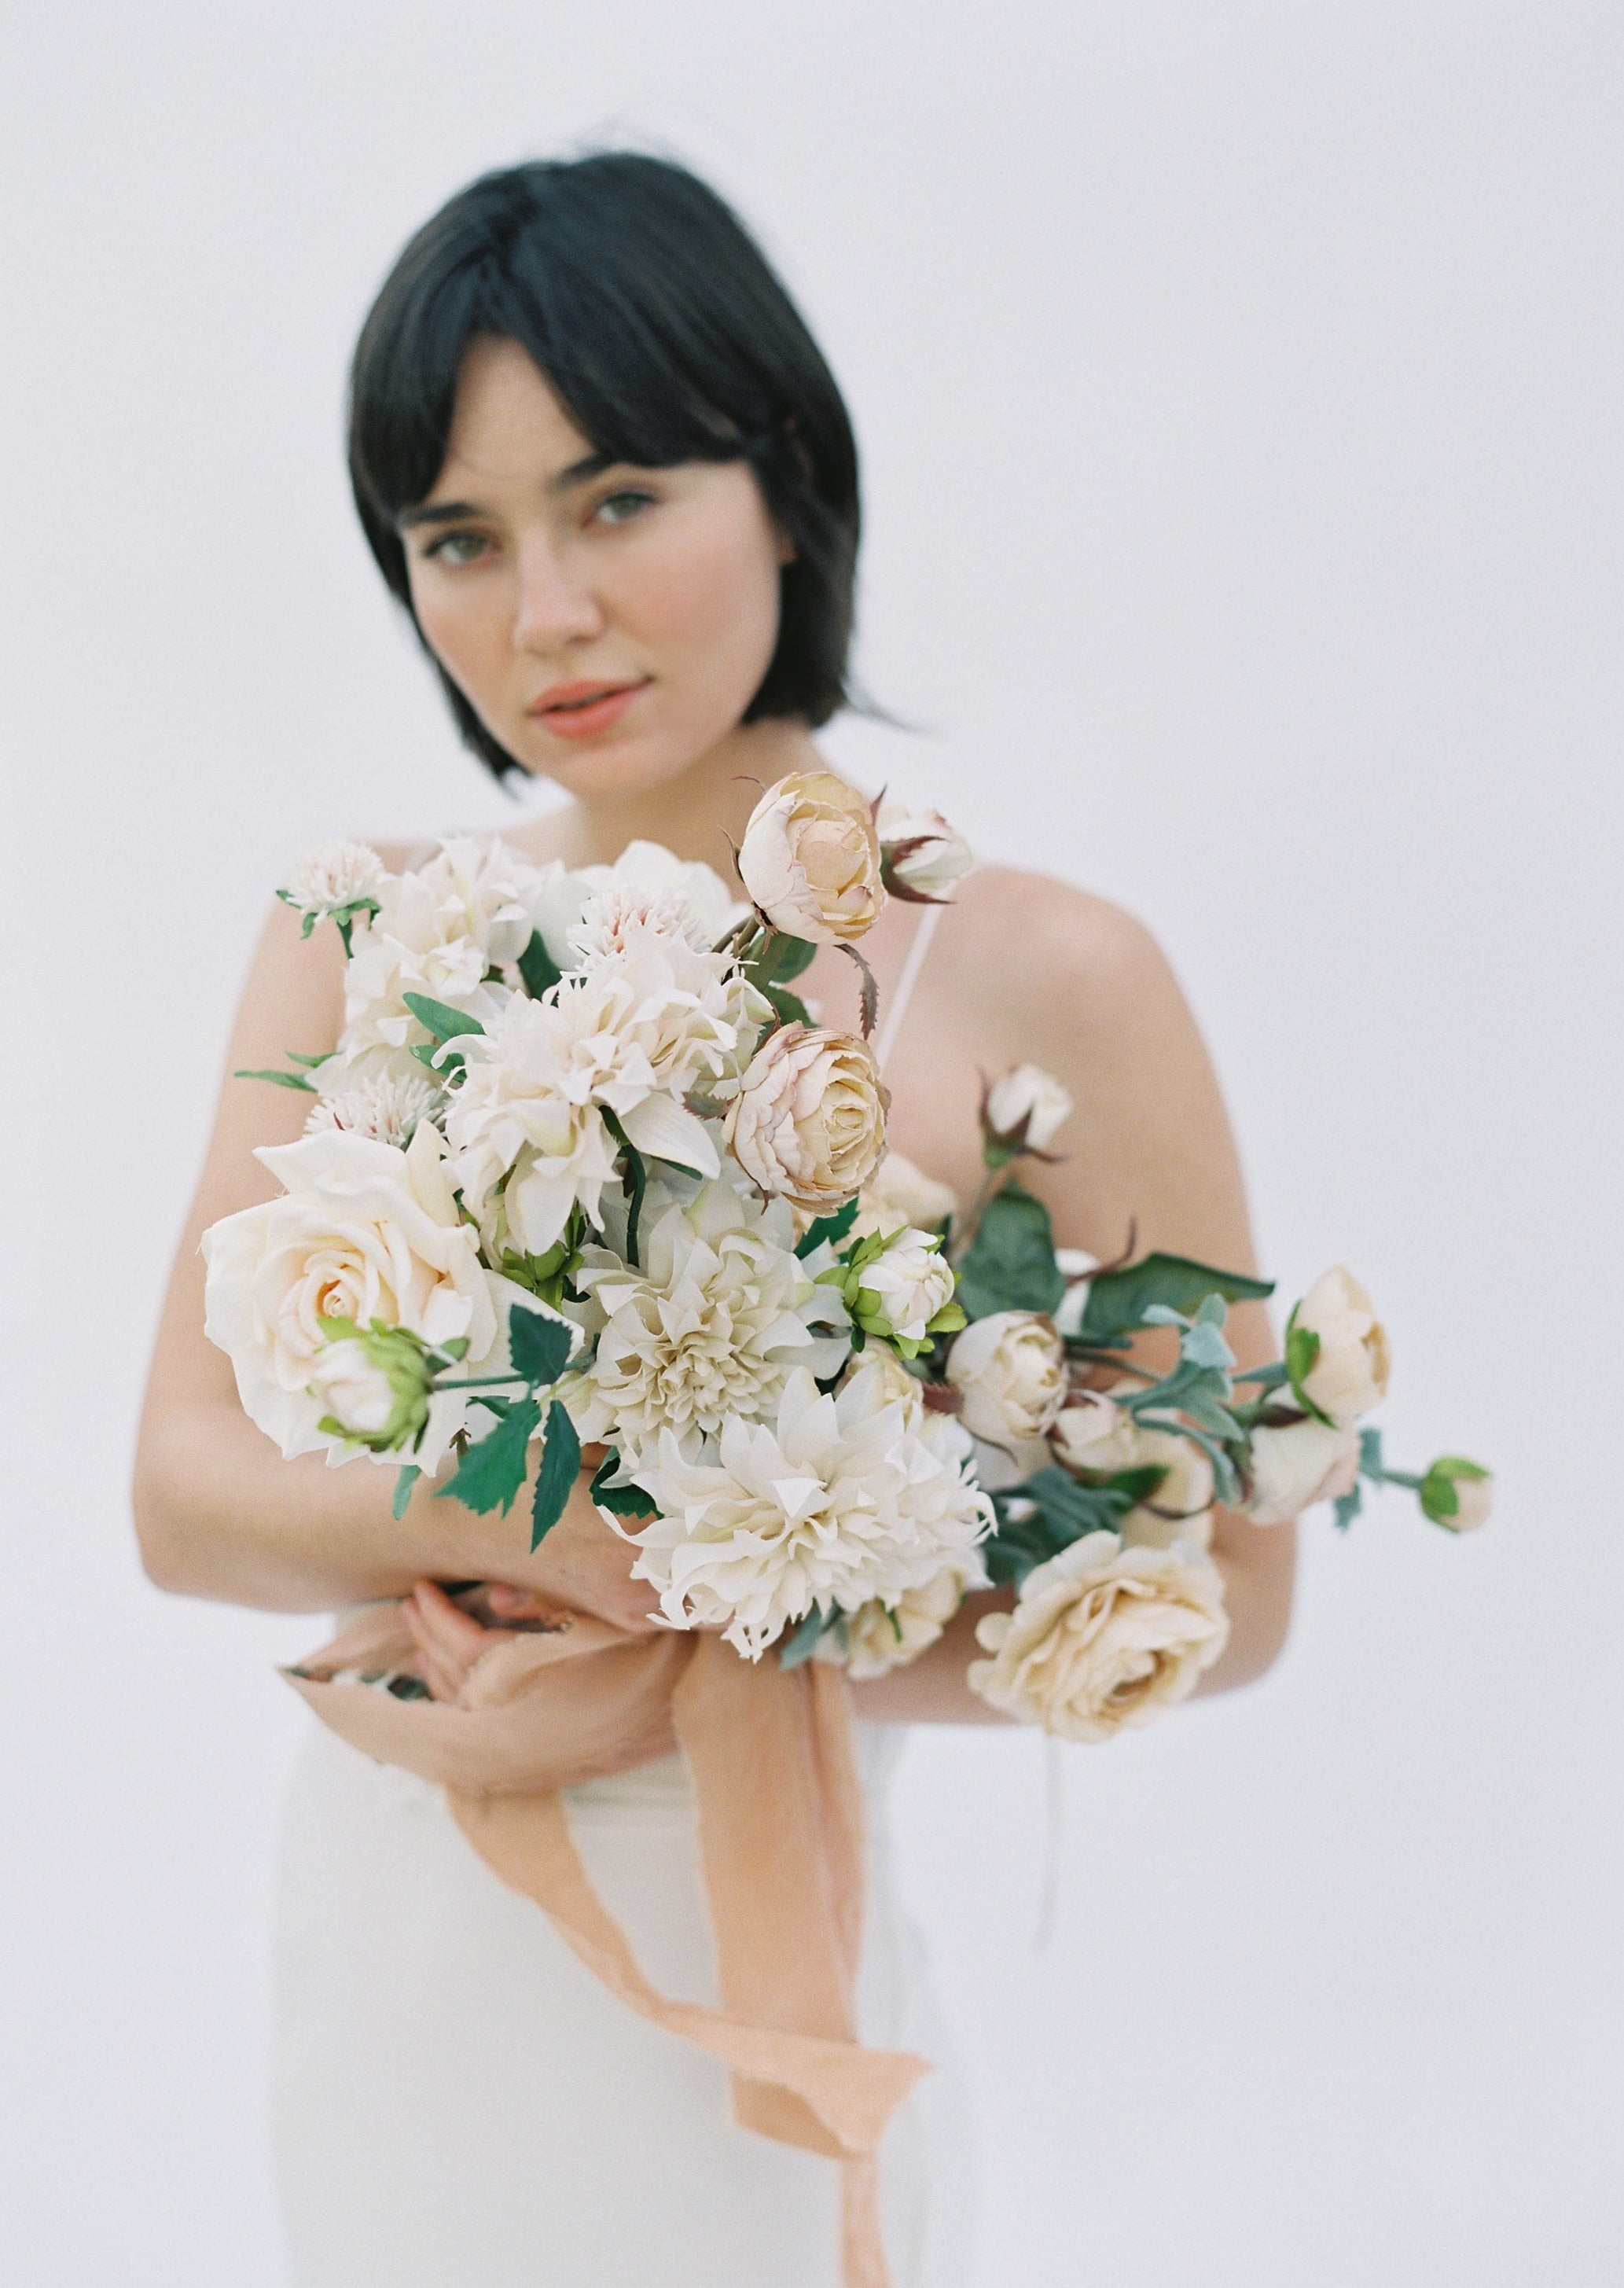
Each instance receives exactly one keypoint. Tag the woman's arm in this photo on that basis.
(217, 1511)
(1035, 972)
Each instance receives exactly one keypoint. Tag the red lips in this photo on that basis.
(576, 710)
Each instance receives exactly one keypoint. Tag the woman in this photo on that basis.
(604, 469)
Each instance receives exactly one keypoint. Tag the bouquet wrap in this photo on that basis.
(769, 1750)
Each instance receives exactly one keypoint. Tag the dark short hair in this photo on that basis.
(665, 331)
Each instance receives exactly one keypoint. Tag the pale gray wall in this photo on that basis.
(1239, 387)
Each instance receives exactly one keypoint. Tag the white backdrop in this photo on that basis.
(1239, 388)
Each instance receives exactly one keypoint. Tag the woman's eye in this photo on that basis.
(457, 547)
(620, 508)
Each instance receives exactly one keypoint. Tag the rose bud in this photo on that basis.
(375, 1383)
(899, 1288)
(1457, 1493)
(1010, 1368)
(1336, 1350)
(920, 855)
(811, 859)
(1022, 1113)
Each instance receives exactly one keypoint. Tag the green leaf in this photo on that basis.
(540, 1347)
(439, 1018)
(635, 1180)
(621, 1501)
(405, 1480)
(801, 1645)
(489, 1475)
(791, 1010)
(537, 967)
(1370, 1454)
(560, 1467)
(1348, 1505)
(833, 1227)
(780, 959)
(1118, 1300)
(283, 1079)
(1010, 1265)
(297, 1057)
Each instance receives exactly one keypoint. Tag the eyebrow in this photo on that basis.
(579, 472)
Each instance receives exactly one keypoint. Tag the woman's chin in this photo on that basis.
(607, 765)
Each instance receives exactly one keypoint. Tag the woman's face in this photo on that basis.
(609, 625)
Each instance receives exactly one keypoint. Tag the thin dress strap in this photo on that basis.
(892, 1026)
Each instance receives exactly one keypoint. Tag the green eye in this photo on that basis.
(458, 547)
(621, 507)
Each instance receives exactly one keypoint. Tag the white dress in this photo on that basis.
(459, 2103)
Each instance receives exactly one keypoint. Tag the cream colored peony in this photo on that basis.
(720, 1317)
(811, 859)
(808, 1119)
(1103, 1637)
(880, 1637)
(898, 1193)
(1010, 1370)
(1097, 1434)
(1349, 1375)
(837, 1502)
(1296, 1465)
(922, 855)
(629, 1036)
(1027, 1109)
(363, 1234)
(440, 930)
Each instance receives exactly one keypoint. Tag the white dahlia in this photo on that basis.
(384, 1102)
(441, 931)
(713, 1324)
(835, 1503)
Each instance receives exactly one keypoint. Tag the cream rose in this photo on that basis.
(1457, 1494)
(1296, 1465)
(1026, 1109)
(921, 855)
(809, 1118)
(1103, 1637)
(811, 859)
(1349, 1369)
(880, 1637)
(364, 1235)
(1100, 1435)
(898, 1193)
(1010, 1370)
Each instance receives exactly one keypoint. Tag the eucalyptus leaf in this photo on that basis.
(1118, 1300)
(405, 1479)
(1010, 1265)
(802, 1642)
(560, 1466)
(1348, 1505)
(490, 1474)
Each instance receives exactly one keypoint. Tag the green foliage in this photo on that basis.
(1302, 1350)
(306, 1087)
(1010, 1265)
(405, 1480)
(540, 1347)
(790, 1009)
(621, 1501)
(490, 1474)
(1118, 1300)
(560, 1467)
(537, 967)
(635, 1182)
(832, 1228)
(803, 1642)
(780, 960)
(439, 1019)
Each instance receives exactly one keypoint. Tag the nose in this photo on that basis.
(555, 606)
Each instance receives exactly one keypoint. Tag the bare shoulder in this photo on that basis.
(1044, 953)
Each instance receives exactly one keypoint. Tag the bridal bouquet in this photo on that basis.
(584, 1171)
